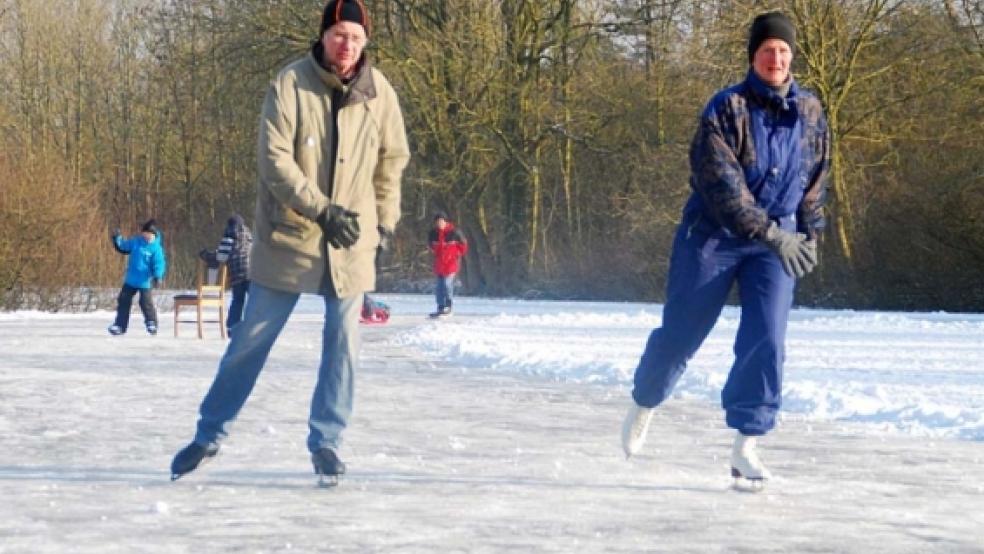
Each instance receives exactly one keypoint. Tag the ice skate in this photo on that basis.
(327, 467)
(152, 327)
(441, 313)
(634, 429)
(191, 457)
(116, 330)
(748, 471)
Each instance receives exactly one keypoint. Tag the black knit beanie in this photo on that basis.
(150, 227)
(344, 10)
(770, 25)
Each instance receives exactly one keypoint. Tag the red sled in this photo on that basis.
(374, 312)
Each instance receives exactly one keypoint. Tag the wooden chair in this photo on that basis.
(210, 293)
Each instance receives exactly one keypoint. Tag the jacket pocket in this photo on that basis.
(290, 229)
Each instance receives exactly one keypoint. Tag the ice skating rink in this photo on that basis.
(443, 456)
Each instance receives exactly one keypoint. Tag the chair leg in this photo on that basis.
(176, 306)
(201, 332)
(222, 325)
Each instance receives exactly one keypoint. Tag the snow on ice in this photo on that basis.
(493, 431)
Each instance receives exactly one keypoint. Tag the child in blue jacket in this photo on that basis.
(144, 270)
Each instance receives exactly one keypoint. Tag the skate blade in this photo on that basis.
(746, 484)
(741, 484)
(327, 481)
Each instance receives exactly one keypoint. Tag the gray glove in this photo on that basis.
(796, 251)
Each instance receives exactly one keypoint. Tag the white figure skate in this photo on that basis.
(634, 429)
(749, 472)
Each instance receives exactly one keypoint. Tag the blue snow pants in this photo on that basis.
(706, 260)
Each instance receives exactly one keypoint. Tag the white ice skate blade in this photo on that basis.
(327, 481)
(744, 484)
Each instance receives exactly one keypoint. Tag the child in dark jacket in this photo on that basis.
(233, 250)
(144, 270)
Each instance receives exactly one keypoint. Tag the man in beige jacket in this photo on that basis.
(332, 147)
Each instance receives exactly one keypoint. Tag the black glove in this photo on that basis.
(155, 283)
(385, 238)
(340, 226)
(384, 250)
(796, 251)
(113, 235)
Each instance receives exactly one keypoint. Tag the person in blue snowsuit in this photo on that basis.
(144, 270)
(759, 172)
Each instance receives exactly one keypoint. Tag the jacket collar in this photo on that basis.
(766, 96)
(359, 89)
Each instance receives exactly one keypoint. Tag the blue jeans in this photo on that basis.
(703, 267)
(444, 291)
(239, 291)
(266, 314)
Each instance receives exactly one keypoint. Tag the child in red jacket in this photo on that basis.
(448, 245)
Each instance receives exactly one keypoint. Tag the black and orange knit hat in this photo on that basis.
(344, 10)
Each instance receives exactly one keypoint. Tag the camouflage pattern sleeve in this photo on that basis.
(717, 174)
(810, 214)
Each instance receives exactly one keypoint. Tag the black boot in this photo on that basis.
(327, 466)
(326, 462)
(190, 457)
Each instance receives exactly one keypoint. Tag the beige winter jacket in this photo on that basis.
(294, 144)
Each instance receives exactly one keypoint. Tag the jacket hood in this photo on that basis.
(235, 223)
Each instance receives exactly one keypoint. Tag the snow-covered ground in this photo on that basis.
(493, 431)
(921, 374)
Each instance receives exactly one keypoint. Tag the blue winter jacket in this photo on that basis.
(756, 157)
(146, 260)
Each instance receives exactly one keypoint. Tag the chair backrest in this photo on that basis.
(210, 292)
(211, 280)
